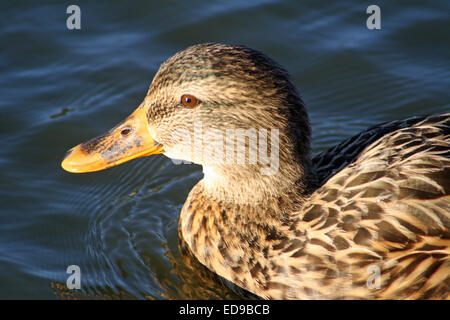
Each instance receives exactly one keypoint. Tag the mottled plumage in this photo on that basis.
(367, 219)
(389, 208)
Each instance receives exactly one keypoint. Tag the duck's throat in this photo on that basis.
(249, 184)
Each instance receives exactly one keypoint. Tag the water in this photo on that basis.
(60, 87)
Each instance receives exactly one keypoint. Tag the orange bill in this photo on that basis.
(128, 140)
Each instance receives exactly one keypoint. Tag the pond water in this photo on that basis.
(60, 87)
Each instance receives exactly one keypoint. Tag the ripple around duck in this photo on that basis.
(128, 234)
(132, 234)
(60, 87)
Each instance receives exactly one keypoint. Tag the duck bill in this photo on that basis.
(128, 140)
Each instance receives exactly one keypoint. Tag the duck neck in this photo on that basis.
(232, 234)
(254, 184)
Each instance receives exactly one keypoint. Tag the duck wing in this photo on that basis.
(386, 210)
(331, 161)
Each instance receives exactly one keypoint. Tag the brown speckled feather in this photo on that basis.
(386, 211)
(368, 219)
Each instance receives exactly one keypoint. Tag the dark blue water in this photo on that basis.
(59, 87)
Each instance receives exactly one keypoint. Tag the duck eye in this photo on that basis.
(189, 100)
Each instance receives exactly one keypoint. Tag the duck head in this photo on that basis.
(215, 105)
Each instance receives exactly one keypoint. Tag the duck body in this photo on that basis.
(367, 219)
(384, 213)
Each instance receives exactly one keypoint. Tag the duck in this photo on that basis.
(367, 219)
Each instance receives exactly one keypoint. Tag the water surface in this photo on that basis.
(60, 87)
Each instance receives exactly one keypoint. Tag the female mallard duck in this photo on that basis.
(367, 219)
